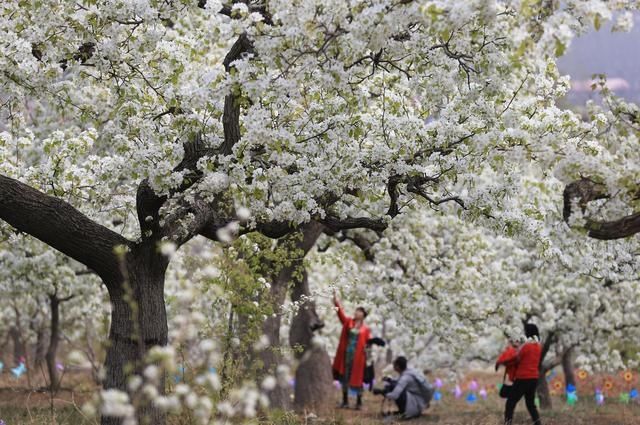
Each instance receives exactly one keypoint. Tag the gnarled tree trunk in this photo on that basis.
(314, 379)
(138, 322)
(289, 276)
(271, 357)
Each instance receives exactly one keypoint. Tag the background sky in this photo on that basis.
(615, 54)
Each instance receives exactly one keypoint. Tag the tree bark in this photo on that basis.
(138, 322)
(54, 341)
(287, 277)
(544, 395)
(271, 357)
(314, 379)
(568, 368)
(543, 386)
(54, 381)
(585, 191)
(19, 348)
(61, 226)
(40, 350)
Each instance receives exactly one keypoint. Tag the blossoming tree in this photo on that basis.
(133, 127)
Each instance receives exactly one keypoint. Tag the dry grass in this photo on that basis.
(489, 412)
(20, 406)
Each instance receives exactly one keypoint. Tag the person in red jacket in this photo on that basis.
(350, 360)
(525, 382)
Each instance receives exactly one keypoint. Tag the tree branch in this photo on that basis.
(585, 191)
(61, 226)
(231, 114)
(336, 224)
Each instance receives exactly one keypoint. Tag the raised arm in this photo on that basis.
(343, 317)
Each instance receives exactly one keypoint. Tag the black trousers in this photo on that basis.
(522, 388)
(401, 402)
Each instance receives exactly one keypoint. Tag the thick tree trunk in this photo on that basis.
(286, 278)
(544, 395)
(138, 322)
(271, 357)
(19, 347)
(314, 379)
(40, 350)
(54, 380)
(568, 368)
(543, 386)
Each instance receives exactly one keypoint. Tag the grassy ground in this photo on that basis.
(489, 412)
(35, 411)
(20, 406)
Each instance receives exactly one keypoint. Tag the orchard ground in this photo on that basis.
(21, 406)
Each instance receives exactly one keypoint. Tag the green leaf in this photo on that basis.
(560, 48)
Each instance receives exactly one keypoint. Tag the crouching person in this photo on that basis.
(411, 391)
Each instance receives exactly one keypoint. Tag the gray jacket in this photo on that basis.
(415, 402)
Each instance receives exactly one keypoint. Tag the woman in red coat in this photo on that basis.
(351, 359)
(525, 379)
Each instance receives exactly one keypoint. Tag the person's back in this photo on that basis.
(407, 392)
(528, 361)
(411, 376)
(409, 381)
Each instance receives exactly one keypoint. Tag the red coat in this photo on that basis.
(359, 357)
(508, 359)
(527, 360)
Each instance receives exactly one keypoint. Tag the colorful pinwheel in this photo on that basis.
(483, 393)
(457, 392)
(471, 398)
(599, 397)
(19, 370)
(624, 397)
